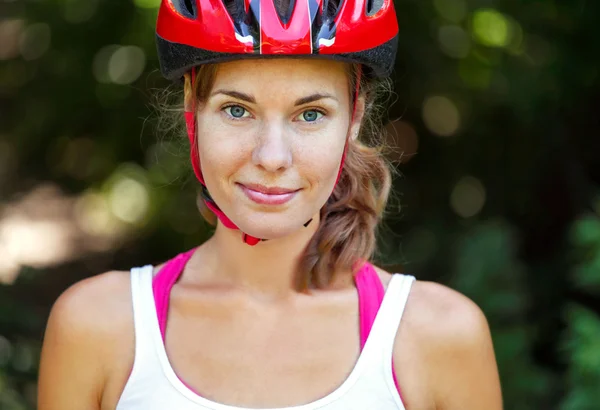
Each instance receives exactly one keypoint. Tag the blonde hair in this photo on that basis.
(347, 233)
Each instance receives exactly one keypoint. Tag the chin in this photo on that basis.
(271, 226)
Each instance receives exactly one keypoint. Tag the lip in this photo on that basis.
(268, 195)
(268, 190)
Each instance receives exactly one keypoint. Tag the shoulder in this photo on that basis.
(443, 323)
(436, 313)
(90, 315)
(97, 313)
(454, 345)
(90, 328)
(433, 307)
(94, 303)
(439, 316)
(441, 312)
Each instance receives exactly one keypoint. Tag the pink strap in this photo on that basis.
(162, 284)
(367, 281)
(370, 296)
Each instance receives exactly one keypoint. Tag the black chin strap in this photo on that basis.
(305, 225)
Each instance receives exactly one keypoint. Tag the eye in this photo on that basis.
(236, 111)
(310, 116)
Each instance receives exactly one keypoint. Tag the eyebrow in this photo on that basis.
(313, 98)
(236, 94)
(249, 98)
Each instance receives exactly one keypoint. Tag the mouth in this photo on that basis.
(269, 190)
(268, 195)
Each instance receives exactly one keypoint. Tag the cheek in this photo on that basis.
(218, 154)
(320, 159)
(320, 163)
(221, 151)
(218, 146)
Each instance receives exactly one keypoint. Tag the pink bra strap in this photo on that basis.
(370, 295)
(162, 284)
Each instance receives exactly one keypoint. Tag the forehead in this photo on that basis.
(279, 74)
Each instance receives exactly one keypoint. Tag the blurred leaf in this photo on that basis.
(586, 232)
(581, 346)
(587, 274)
(585, 236)
(488, 271)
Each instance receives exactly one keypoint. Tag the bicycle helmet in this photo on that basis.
(194, 32)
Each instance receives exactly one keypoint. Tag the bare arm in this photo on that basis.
(77, 346)
(468, 373)
(454, 347)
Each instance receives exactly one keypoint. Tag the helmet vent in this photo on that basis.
(189, 6)
(236, 9)
(186, 8)
(284, 9)
(373, 6)
(331, 8)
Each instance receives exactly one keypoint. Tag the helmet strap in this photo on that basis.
(355, 103)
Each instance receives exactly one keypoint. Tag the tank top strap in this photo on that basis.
(380, 343)
(147, 333)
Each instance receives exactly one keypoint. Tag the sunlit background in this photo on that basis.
(494, 131)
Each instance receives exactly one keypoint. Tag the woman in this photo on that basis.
(279, 308)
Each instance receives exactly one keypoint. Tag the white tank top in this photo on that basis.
(153, 384)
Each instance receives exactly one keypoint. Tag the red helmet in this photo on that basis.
(194, 32)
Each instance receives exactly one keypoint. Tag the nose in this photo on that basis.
(273, 151)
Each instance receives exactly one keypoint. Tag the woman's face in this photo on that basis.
(271, 136)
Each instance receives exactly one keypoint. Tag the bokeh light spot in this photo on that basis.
(93, 215)
(79, 11)
(100, 64)
(491, 28)
(129, 200)
(126, 64)
(35, 41)
(468, 197)
(451, 10)
(19, 233)
(441, 116)
(10, 33)
(454, 41)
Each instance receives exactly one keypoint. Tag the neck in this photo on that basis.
(268, 270)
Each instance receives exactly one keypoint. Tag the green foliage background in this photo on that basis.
(496, 119)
